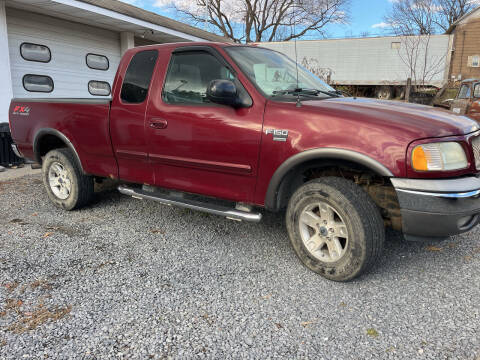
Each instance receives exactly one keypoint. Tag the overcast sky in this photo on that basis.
(366, 16)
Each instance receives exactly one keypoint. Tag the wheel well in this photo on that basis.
(47, 143)
(377, 186)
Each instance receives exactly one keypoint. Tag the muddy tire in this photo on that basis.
(66, 185)
(335, 228)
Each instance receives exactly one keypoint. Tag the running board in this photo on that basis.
(206, 207)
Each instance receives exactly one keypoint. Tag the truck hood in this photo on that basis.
(419, 120)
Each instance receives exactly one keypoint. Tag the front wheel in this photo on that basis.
(66, 185)
(335, 228)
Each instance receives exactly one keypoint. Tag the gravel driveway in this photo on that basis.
(126, 278)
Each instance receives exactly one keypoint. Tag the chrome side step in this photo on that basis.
(206, 207)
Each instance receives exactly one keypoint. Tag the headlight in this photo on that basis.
(439, 157)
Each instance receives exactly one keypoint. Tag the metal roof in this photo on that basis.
(118, 16)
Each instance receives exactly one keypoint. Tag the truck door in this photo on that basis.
(460, 104)
(127, 118)
(474, 112)
(195, 145)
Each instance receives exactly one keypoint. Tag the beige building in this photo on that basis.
(465, 61)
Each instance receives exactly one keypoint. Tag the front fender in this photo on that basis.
(271, 197)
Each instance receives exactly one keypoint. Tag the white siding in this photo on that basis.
(367, 61)
(69, 44)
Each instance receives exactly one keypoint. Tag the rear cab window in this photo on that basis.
(138, 77)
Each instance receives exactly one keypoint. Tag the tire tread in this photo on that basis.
(371, 219)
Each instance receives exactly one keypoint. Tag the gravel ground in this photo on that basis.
(126, 278)
(14, 173)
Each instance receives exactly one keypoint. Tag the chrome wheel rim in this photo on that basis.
(59, 181)
(323, 232)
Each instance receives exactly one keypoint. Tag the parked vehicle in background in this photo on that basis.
(374, 67)
(467, 101)
(228, 129)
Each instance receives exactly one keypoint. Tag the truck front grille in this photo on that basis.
(476, 151)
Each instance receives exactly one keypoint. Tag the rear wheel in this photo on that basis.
(384, 92)
(66, 185)
(400, 92)
(335, 228)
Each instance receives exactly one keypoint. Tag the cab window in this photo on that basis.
(465, 92)
(138, 76)
(476, 92)
(189, 75)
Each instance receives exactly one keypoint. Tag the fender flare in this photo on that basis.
(271, 196)
(49, 131)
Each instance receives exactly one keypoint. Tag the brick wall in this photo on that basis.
(466, 43)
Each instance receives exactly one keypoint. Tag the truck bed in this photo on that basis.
(84, 123)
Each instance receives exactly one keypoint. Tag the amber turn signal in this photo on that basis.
(419, 159)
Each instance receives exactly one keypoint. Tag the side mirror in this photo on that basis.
(222, 92)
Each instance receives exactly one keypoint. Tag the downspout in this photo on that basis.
(463, 50)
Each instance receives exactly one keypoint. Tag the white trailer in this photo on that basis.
(379, 65)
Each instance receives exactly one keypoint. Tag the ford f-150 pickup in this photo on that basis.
(230, 129)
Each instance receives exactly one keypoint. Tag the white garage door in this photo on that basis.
(69, 44)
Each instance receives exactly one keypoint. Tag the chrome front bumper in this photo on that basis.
(438, 208)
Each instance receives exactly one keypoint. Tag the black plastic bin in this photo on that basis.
(422, 98)
(7, 156)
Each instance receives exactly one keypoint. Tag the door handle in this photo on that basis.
(158, 123)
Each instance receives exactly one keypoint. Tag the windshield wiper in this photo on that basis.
(308, 92)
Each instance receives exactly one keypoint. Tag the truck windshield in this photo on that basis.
(276, 75)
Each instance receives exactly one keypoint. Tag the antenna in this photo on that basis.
(207, 5)
(299, 104)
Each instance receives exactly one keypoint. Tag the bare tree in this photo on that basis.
(262, 20)
(411, 17)
(313, 65)
(450, 11)
(422, 65)
(427, 16)
(414, 22)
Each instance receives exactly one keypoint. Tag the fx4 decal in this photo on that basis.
(21, 110)
(278, 135)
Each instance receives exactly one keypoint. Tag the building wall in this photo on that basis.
(69, 44)
(466, 43)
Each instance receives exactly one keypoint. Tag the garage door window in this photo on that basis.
(97, 62)
(38, 83)
(35, 52)
(99, 88)
(138, 76)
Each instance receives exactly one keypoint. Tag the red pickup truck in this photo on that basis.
(228, 129)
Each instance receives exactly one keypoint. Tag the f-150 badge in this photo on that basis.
(278, 135)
